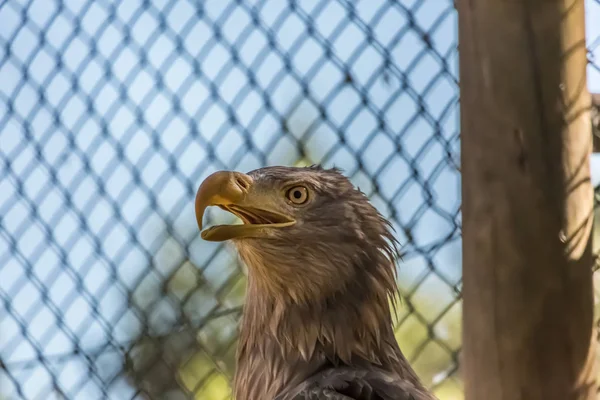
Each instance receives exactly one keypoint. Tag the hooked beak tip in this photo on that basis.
(221, 188)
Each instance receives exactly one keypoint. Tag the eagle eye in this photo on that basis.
(297, 195)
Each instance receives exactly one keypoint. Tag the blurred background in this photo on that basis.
(113, 112)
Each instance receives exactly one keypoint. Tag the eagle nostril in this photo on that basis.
(241, 182)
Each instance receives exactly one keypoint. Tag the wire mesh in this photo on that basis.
(593, 42)
(112, 113)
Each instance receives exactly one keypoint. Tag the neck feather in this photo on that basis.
(284, 340)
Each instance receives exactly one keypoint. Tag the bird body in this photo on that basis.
(321, 287)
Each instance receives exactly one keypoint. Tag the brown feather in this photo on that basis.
(319, 293)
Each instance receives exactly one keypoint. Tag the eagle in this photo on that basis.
(317, 319)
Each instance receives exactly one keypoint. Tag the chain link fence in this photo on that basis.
(112, 113)
(593, 44)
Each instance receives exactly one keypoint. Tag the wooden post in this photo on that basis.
(527, 201)
(596, 121)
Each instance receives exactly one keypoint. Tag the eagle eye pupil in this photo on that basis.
(297, 195)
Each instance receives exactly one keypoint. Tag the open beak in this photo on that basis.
(232, 191)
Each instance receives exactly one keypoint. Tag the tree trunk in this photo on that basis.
(527, 201)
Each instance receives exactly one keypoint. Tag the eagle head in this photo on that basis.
(306, 232)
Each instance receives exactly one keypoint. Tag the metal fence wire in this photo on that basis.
(113, 112)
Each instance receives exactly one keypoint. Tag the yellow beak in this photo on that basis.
(232, 191)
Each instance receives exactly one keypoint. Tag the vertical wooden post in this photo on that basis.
(527, 201)
(596, 121)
